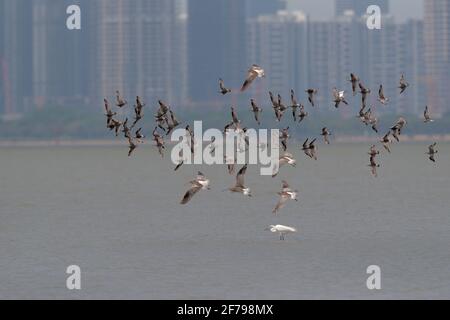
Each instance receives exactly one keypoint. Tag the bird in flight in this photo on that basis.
(303, 114)
(383, 100)
(310, 149)
(403, 84)
(385, 141)
(223, 90)
(325, 133)
(364, 92)
(286, 158)
(119, 101)
(354, 80)
(432, 151)
(109, 114)
(311, 93)
(397, 128)
(426, 115)
(338, 96)
(256, 111)
(286, 194)
(294, 105)
(199, 183)
(254, 72)
(240, 187)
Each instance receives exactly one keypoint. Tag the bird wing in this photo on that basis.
(200, 176)
(252, 74)
(106, 105)
(191, 192)
(336, 94)
(281, 202)
(380, 92)
(240, 176)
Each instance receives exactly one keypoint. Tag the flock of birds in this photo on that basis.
(166, 122)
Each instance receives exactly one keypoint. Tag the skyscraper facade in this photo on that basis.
(61, 57)
(138, 49)
(216, 46)
(257, 8)
(359, 7)
(15, 56)
(437, 53)
(279, 43)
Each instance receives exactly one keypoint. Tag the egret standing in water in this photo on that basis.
(281, 230)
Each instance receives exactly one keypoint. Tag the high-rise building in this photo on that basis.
(216, 47)
(61, 58)
(15, 56)
(279, 44)
(257, 8)
(359, 7)
(138, 49)
(437, 53)
(411, 62)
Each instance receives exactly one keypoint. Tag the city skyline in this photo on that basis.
(175, 58)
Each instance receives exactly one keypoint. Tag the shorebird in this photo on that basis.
(286, 158)
(125, 129)
(397, 128)
(131, 146)
(385, 141)
(234, 116)
(310, 149)
(119, 101)
(373, 151)
(281, 230)
(239, 186)
(162, 110)
(373, 166)
(159, 141)
(254, 72)
(284, 136)
(294, 105)
(199, 183)
(432, 151)
(338, 96)
(172, 124)
(303, 114)
(383, 100)
(139, 136)
(223, 89)
(231, 164)
(280, 104)
(190, 138)
(426, 115)
(138, 111)
(256, 110)
(286, 194)
(354, 80)
(109, 114)
(325, 133)
(278, 114)
(361, 114)
(311, 93)
(272, 99)
(373, 121)
(403, 84)
(115, 124)
(367, 116)
(364, 92)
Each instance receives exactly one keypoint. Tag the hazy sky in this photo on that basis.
(324, 9)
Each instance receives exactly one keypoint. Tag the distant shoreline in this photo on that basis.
(108, 142)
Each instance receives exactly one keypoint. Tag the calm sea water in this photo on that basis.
(120, 221)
